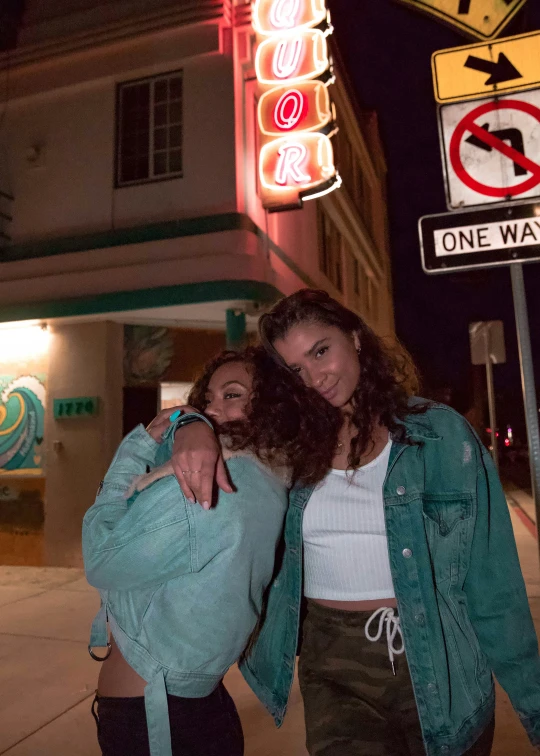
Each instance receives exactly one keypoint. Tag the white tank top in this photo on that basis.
(345, 545)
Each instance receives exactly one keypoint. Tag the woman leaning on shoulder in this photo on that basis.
(181, 587)
(406, 556)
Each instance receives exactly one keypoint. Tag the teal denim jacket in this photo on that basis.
(461, 596)
(182, 588)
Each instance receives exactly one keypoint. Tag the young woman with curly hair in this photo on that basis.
(182, 588)
(405, 554)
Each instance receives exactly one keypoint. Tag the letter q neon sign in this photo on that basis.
(289, 109)
(295, 114)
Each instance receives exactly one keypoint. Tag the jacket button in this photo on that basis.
(444, 749)
(407, 553)
(432, 688)
(419, 619)
(400, 490)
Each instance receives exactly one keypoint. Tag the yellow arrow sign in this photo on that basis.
(507, 65)
(483, 19)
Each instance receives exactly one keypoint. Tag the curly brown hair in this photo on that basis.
(388, 377)
(287, 424)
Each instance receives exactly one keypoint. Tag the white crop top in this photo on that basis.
(345, 545)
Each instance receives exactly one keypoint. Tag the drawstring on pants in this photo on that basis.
(93, 709)
(393, 628)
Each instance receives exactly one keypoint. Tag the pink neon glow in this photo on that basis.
(276, 16)
(284, 14)
(293, 56)
(289, 109)
(287, 57)
(291, 157)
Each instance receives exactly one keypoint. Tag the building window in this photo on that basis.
(149, 146)
(330, 250)
(354, 179)
(363, 286)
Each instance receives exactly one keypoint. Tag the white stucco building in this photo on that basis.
(129, 194)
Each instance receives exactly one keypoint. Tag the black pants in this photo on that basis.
(207, 726)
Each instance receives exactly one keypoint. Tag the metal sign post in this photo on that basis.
(487, 348)
(491, 399)
(485, 238)
(527, 381)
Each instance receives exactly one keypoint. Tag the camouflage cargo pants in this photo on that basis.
(354, 705)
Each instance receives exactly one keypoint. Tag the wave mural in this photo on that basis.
(22, 411)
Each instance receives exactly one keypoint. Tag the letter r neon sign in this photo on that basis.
(291, 156)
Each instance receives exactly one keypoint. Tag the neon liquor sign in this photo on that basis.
(295, 115)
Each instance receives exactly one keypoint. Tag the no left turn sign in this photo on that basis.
(491, 149)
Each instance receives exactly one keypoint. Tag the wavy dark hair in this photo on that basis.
(287, 424)
(388, 377)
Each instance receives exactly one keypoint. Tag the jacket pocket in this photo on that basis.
(471, 681)
(129, 608)
(448, 521)
(484, 677)
(447, 513)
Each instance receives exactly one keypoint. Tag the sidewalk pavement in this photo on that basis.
(47, 678)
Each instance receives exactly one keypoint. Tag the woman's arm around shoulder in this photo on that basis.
(124, 531)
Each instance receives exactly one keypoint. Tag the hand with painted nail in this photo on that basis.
(224, 393)
(162, 421)
(197, 462)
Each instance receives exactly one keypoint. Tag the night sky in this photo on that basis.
(387, 50)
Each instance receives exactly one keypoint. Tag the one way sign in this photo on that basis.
(491, 149)
(481, 238)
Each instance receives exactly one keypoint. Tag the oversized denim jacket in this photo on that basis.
(460, 593)
(182, 588)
